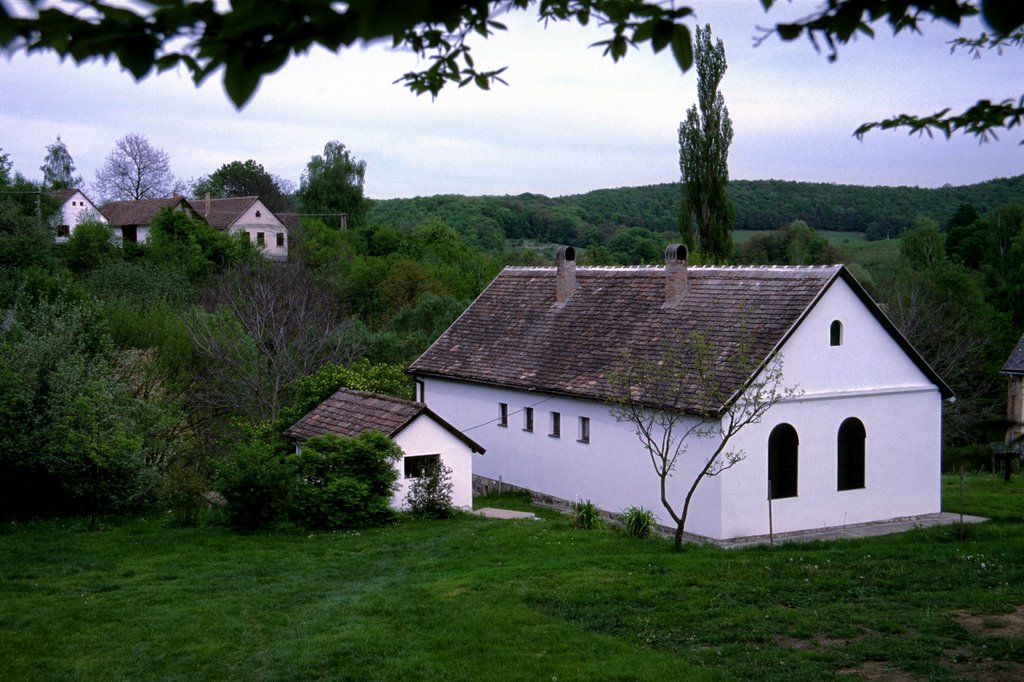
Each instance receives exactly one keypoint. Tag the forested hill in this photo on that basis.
(583, 219)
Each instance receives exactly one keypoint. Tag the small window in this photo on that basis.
(527, 419)
(783, 444)
(280, 238)
(556, 425)
(248, 235)
(258, 214)
(835, 333)
(502, 414)
(850, 455)
(63, 231)
(419, 466)
(584, 430)
(259, 238)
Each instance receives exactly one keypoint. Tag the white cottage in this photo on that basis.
(74, 208)
(526, 372)
(425, 438)
(250, 216)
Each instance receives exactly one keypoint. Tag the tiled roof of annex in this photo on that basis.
(139, 212)
(349, 413)
(1015, 363)
(515, 336)
(223, 213)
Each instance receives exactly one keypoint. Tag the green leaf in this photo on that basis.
(789, 31)
(682, 47)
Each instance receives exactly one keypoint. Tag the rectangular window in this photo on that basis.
(419, 466)
(502, 414)
(584, 436)
(259, 238)
(527, 419)
(556, 425)
(280, 238)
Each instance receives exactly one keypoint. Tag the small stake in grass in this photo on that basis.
(961, 503)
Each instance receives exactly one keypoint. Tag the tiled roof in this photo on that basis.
(62, 195)
(349, 413)
(513, 335)
(138, 212)
(1015, 363)
(224, 212)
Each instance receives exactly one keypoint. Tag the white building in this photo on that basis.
(425, 438)
(74, 208)
(250, 216)
(131, 220)
(526, 371)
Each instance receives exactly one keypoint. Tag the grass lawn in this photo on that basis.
(483, 599)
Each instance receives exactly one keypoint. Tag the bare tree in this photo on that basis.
(268, 325)
(687, 397)
(135, 170)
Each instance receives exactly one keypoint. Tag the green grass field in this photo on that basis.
(477, 599)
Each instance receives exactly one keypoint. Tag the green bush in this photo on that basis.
(585, 515)
(344, 482)
(430, 496)
(638, 522)
(254, 482)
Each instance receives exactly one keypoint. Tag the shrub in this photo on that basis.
(585, 515)
(254, 483)
(638, 522)
(182, 492)
(430, 496)
(344, 482)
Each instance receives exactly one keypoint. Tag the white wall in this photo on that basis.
(613, 470)
(424, 436)
(267, 223)
(76, 209)
(868, 377)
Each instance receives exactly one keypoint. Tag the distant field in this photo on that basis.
(478, 599)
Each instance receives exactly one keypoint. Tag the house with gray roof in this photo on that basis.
(425, 438)
(529, 368)
(1014, 371)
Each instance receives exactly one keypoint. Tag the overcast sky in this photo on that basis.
(570, 120)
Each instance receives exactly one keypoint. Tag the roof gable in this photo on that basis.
(349, 413)
(514, 335)
(1015, 363)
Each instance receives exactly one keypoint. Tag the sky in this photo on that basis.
(570, 120)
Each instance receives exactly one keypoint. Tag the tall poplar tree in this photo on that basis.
(706, 215)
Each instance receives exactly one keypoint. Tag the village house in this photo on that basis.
(425, 438)
(131, 220)
(528, 369)
(1014, 371)
(74, 208)
(250, 216)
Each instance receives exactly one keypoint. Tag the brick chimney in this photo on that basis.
(566, 277)
(676, 283)
(206, 205)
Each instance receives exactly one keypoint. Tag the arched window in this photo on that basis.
(850, 454)
(835, 333)
(783, 444)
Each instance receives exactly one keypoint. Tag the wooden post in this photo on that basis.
(961, 503)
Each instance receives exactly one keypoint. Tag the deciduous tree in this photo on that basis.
(650, 395)
(245, 179)
(135, 170)
(706, 214)
(332, 186)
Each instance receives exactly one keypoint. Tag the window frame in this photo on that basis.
(583, 430)
(555, 430)
(851, 456)
(280, 239)
(528, 419)
(414, 466)
(835, 334)
(503, 415)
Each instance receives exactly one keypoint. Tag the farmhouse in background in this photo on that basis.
(131, 220)
(527, 370)
(425, 438)
(74, 208)
(251, 216)
(1014, 369)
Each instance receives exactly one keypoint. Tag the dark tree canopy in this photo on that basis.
(252, 40)
(244, 179)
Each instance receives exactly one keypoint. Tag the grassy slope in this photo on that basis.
(481, 599)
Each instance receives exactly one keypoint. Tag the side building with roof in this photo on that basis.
(1014, 371)
(425, 438)
(131, 220)
(528, 371)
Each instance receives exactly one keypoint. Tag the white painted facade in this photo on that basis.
(868, 376)
(73, 211)
(424, 436)
(264, 229)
